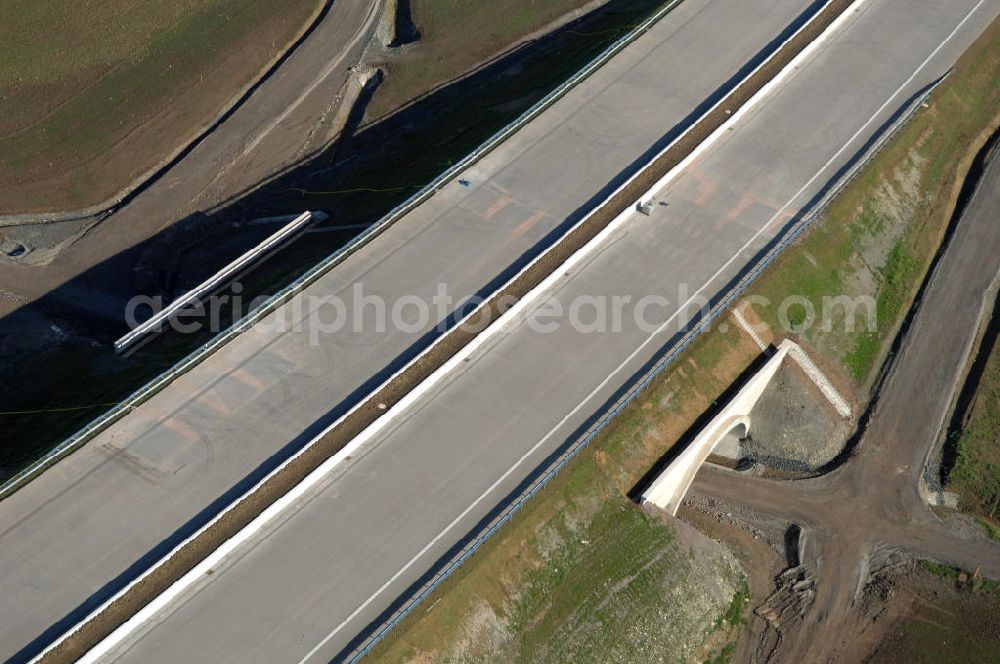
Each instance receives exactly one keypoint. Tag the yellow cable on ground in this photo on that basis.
(58, 410)
(352, 191)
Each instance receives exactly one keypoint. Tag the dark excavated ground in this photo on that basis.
(927, 618)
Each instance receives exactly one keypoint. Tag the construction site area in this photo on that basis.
(798, 462)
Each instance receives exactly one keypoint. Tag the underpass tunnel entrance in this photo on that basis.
(740, 431)
(728, 445)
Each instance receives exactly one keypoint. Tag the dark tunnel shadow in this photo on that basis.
(635, 493)
(358, 157)
(406, 29)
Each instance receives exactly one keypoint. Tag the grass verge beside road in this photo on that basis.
(542, 577)
(879, 235)
(976, 473)
(581, 573)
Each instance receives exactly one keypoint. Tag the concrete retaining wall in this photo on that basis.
(805, 362)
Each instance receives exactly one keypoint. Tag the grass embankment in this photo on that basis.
(456, 36)
(976, 473)
(880, 234)
(94, 94)
(963, 580)
(580, 572)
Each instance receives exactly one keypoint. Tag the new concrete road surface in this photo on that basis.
(96, 520)
(336, 561)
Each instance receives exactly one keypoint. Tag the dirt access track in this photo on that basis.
(873, 510)
(265, 132)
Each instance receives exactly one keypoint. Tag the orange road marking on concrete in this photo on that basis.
(183, 428)
(528, 224)
(248, 378)
(747, 201)
(706, 188)
(213, 401)
(497, 207)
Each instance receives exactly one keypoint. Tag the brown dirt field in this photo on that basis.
(760, 561)
(911, 616)
(905, 614)
(76, 134)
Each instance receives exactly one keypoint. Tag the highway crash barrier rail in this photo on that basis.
(197, 294)
(102, 422)
(669, 356)
(228, 524)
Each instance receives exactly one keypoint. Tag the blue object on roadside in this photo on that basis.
(464, 183)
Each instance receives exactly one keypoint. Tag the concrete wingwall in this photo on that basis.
(668, 490)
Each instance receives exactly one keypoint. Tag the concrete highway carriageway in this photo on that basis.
(308, 585)
(81, 531)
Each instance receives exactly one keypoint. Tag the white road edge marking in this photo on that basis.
(147, 612)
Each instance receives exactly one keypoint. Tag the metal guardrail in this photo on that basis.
(633, 393)
(121, 595)
(131, 402)
(211, 284)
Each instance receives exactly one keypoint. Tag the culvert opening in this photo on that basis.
(12, 248)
